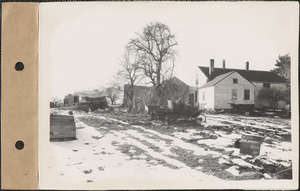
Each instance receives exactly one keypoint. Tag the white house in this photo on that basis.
(225, 90)
(218, 89)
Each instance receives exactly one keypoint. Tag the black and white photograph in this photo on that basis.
(168, 95)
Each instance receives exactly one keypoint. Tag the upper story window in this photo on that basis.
(266, 85)
(235, 80)
(197, 79)
(246, 94)
(196, 96)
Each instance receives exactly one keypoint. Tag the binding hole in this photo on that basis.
(19, 145)
(19, 66)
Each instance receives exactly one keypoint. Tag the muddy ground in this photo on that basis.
(198, 151)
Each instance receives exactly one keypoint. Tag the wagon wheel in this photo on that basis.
(201, 118)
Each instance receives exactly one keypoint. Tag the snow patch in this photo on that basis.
(233, 170)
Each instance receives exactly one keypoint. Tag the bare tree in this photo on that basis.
(155, 47)
(129, 74)
(273, 95)
(112, 93)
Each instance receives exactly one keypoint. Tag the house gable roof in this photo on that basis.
(178, 81)
(219, 79)
(250, 75)
(216, 80)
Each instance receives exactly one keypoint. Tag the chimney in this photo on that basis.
(247, 66)
(223, 64)
(212, 66)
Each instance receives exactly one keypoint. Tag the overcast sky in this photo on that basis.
(81, 43)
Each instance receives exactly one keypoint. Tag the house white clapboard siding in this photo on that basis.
(225, 90)
(213, 88)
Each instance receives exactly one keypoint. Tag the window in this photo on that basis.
(266, 85)
(203, 96)
(234, 94)
(197, 79)
(246, 94)
(235, 80)
(196, 96)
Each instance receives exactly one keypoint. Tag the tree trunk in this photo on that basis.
(158, 73)
(129, 107)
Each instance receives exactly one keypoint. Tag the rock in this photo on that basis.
(87, 171)
(100, 168)
(267, 176)
(96, 137)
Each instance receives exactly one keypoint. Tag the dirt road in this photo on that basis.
(147, 152)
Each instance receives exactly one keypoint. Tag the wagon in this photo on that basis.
(176, 111)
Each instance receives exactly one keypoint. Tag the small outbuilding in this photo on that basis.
(172, 89)
(85, 100)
